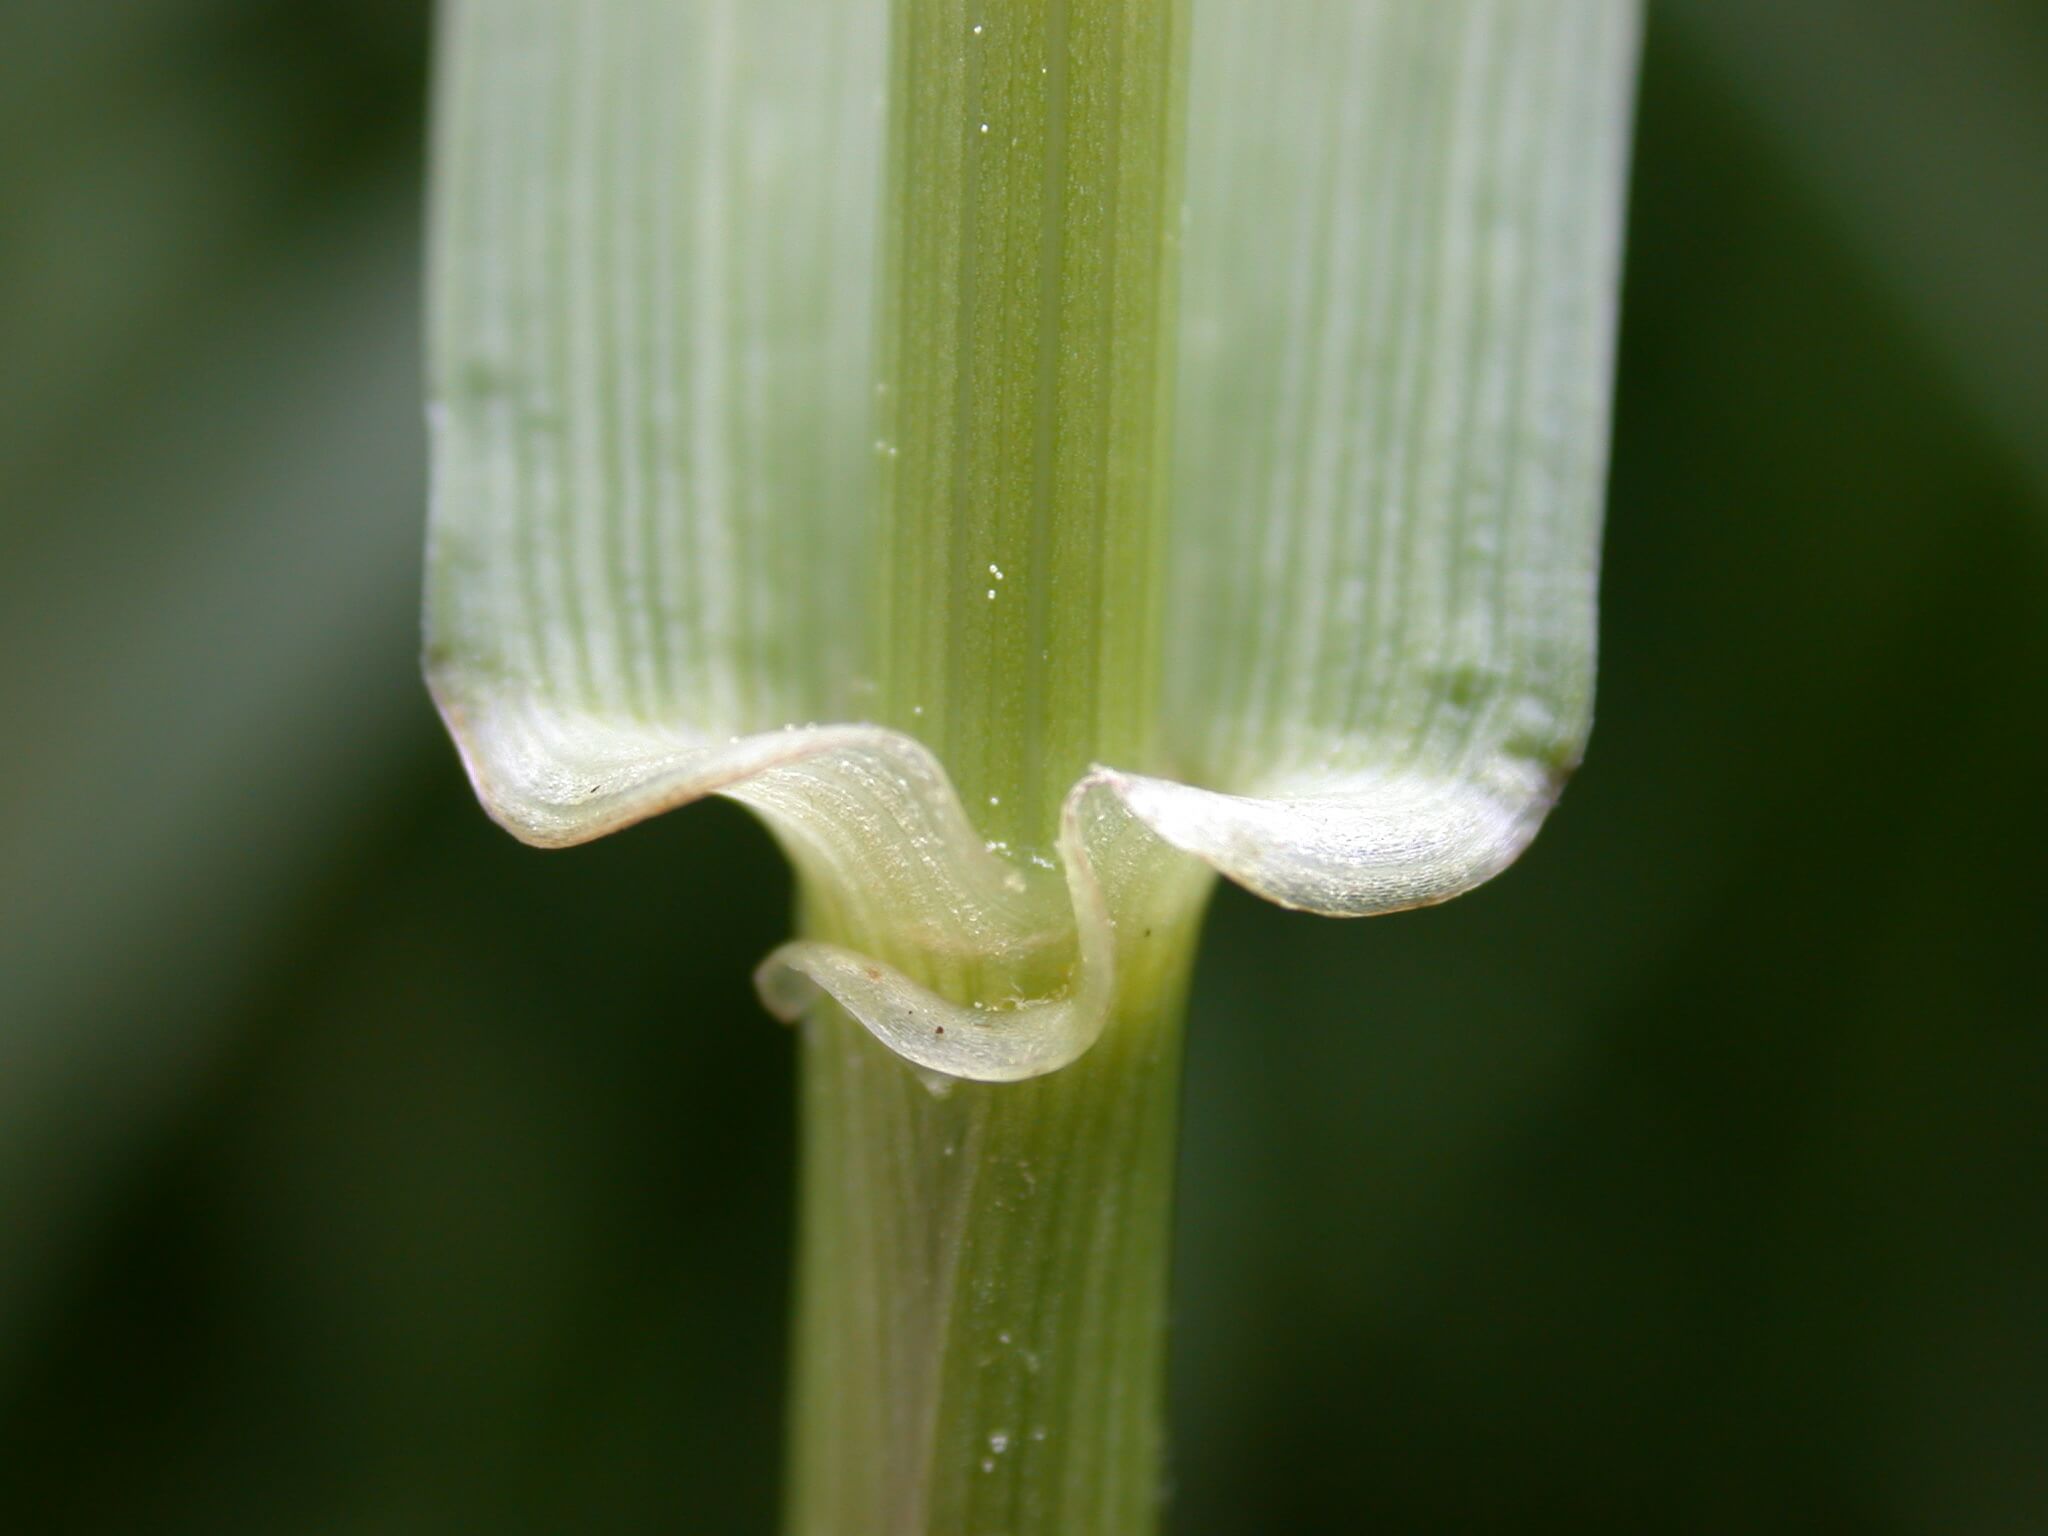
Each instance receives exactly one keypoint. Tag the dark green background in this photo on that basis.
(364, 1172)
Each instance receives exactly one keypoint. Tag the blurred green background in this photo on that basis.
(364, 1172)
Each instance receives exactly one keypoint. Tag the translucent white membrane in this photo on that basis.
(650, 372)
(869, 816)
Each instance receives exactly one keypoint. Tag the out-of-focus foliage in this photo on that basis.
(361, 1171)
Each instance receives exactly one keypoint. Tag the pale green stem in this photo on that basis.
(981, 1329)
(982, 1285)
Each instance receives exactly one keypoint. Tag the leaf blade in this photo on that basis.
(1399, 292)
(651, 267)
